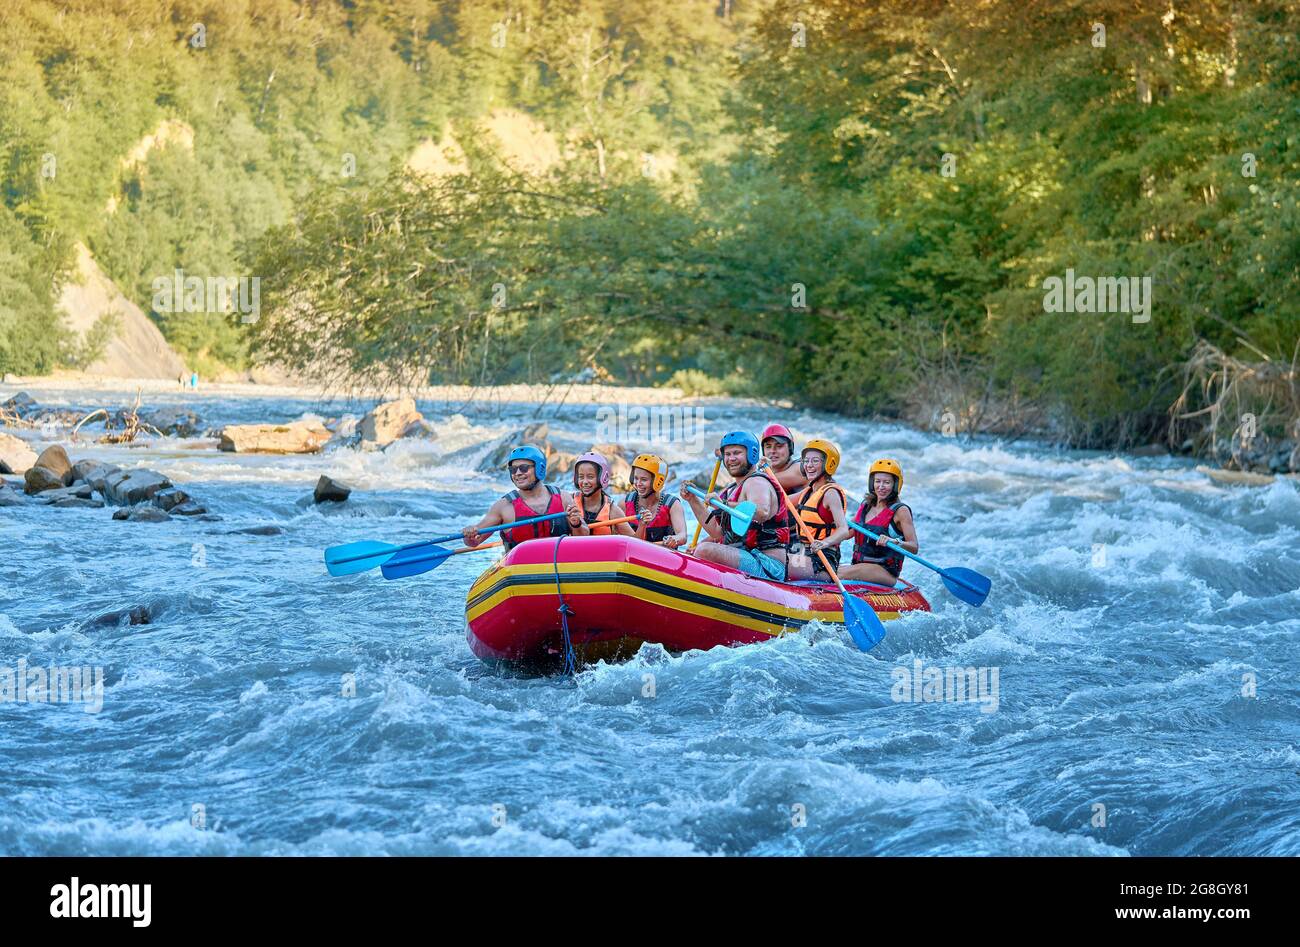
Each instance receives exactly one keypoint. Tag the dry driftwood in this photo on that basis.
(133, 425)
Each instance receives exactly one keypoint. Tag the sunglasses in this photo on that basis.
(520, 468)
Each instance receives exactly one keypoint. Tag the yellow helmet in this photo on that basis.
(885, 465)
(829, 449)
(654, 465)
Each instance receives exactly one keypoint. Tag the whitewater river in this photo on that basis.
(1143, 627)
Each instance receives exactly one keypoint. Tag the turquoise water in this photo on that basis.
(1143, 627)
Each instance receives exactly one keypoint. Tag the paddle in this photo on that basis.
(352, 558)
(419, 561)
(713, 482)
(967, 584)
(863, 624)
(436, 556)
(742, 514)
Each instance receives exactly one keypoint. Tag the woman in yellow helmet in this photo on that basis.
(822, 507)
(663, 519)
(884, 515)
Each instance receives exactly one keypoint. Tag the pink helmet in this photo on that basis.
(778, 430)
(591, 457)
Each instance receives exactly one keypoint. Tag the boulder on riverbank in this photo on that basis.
(16, 457)
(296, 437)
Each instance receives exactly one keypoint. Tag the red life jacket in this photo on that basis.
(774, 533)
(659, 528)
(518, 534)
(866, 550)
(604, 513)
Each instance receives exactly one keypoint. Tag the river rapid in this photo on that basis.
(1139, 646)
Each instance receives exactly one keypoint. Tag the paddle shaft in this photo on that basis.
(699, 527)
(947, 574)
(440, 555)
(446, 539)
(710, 501)
(894, 546)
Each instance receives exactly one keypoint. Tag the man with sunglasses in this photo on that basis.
(530, 497)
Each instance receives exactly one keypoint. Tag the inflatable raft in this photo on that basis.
(621, 591)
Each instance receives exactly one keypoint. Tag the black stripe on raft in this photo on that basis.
(640, 582)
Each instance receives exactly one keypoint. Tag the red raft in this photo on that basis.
(622, 591)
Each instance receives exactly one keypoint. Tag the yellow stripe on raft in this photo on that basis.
(578, 589)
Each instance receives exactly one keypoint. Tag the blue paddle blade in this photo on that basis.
(967, 584)
(415, 562)
(864, 625)
(352, 558)
(742, 517)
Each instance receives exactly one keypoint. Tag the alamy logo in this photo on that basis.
(54, 685)
(652, 425)
(921, 684)
(1129, 294)
(181, 293)
(77, 900)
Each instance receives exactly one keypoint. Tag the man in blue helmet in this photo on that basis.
(530, 497)
(761, 550)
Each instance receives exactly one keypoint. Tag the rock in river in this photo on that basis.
(329, 490)
(51, 470)
(145, 514)
(180, 422)
(167, 500)
(39, 479)
(297, 437)
(129, 487)
(15, 456)
(388, 421)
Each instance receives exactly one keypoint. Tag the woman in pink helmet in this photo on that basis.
(778, 451)
(591, 502)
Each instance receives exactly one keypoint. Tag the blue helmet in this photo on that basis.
(528, 452)
(746, 440)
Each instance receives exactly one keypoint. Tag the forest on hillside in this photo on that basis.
(854, 205)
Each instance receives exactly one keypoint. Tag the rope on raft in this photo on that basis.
(570, 660)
